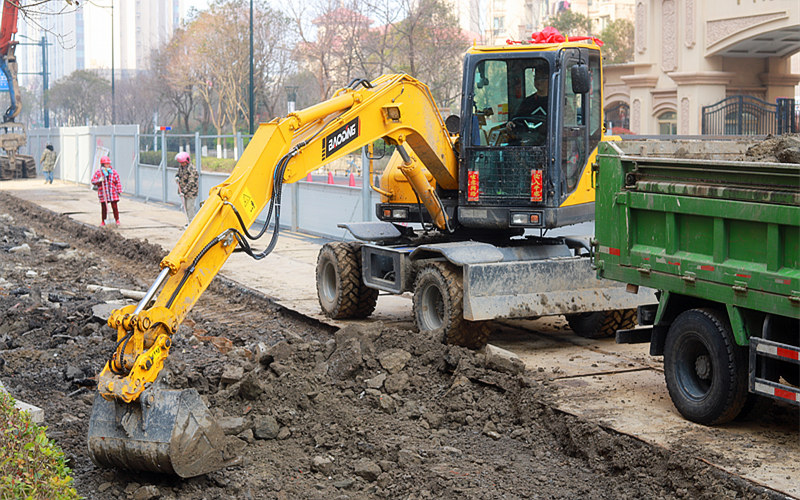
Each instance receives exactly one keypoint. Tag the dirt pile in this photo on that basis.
(369, 411)
(783, 149)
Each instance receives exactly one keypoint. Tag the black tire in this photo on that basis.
(705, 371)
(438, 307)
(340, 289)
(601, 324)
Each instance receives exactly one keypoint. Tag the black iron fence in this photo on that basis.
(747, 115)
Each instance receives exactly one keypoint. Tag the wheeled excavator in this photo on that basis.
(13, 135)
(474, 184)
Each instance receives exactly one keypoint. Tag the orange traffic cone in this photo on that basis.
(308, 178)
(352, 182)
(330, 178)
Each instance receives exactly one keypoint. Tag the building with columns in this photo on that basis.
(695, 53)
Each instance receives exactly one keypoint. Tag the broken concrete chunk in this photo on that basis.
(394, 360)
(36, 413)
(502, 360)
(265, 427)
(367, 469)
(251, 388)
(232, 374)
(323, 465)
(396, 382)
(375, 382)
(232, 425)
(24, 248)
(101, 312)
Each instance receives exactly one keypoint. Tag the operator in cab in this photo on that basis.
(511, 102)
(527, 123)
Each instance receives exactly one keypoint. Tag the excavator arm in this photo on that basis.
(8, 60)
(397, 108)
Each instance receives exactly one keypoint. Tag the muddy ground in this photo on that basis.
(365, 412)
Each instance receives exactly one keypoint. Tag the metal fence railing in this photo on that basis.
(147, 168)
(747, 115)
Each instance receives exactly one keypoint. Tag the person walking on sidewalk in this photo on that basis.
(187, 179)
(48, 163)
(109, 188)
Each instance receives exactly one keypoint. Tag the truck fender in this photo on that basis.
(670, 305)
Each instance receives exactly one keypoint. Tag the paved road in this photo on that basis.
(619, 386)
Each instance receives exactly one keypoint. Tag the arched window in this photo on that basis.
(668, 123)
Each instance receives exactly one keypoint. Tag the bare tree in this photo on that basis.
(331, 41)
(176, 87)
(428, 44)
(137, 99)
(201, 61)
(274, 42)
(81, 98)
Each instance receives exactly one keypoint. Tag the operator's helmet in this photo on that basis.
(182, 157)
(105, 160)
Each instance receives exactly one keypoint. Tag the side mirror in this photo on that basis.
(453, 124)
(581, 82)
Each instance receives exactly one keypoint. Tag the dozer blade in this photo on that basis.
(169, 431)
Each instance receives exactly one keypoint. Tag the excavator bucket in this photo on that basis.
(166, 430)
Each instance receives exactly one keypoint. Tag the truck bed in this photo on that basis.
(720, 229)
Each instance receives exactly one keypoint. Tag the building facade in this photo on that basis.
(695, 53)
(81, 38)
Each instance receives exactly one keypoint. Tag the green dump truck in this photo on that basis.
(720, 240)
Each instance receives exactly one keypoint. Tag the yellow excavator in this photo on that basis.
(516, 162)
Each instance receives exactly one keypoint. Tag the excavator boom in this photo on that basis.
(122, 430)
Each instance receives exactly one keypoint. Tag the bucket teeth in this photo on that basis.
(172, 433)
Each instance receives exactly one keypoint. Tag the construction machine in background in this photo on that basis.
(13, 135)
(483, 188)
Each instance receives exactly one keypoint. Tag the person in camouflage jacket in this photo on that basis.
(188, 180)
(48, 163)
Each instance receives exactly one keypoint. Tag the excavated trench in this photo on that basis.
(363, 412)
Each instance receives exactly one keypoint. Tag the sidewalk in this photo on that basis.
(287, 275)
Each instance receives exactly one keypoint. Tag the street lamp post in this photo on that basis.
(113, 102)
(45, 74)
(252, 108)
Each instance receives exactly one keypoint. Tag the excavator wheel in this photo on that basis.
(601, 324)
(438, 307)
(340, 289)
(165, 430)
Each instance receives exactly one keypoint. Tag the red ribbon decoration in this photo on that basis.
(552, 35)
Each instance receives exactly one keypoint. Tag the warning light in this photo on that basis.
(164, 128)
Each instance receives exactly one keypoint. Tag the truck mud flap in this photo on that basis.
(545, 287)
(170, 431)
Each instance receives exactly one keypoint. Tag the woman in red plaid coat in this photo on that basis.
(108, 188)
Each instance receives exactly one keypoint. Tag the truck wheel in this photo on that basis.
(705, 371)
(438, 307)
(340, 289)
(601, 324)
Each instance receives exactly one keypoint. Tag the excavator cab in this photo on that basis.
(531, 116)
